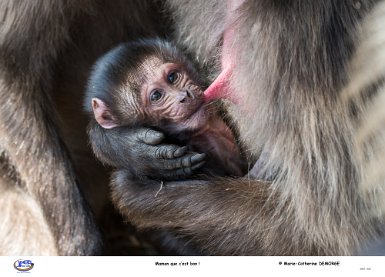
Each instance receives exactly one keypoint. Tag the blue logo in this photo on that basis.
(23, 265)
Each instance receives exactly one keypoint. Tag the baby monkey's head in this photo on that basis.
(146, 82)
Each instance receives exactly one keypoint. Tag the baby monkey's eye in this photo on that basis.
(172, 77)
(156, 95)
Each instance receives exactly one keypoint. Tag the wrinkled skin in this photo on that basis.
(144, 148)
(133, 85)
(288, 65)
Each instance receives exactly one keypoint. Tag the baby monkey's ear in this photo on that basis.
(103, 114)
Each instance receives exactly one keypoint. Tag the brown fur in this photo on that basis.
(368, 68)
(117, 86)
(293, 63)
(46, 50)
(290, 74)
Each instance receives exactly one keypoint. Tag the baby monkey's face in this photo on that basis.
(172, 98)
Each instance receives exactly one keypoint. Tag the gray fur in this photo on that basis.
(368, 68)
(293, 63)
(46, 51)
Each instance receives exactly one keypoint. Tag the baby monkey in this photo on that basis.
(151, 83)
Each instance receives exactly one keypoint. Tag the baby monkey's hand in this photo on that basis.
(164, 161)
(143, 153)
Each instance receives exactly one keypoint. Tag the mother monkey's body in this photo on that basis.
(291, 62)
(289, 108)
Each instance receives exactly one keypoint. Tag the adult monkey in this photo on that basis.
(300, 69)
(291, 64)
(368, 71)
(46, 51)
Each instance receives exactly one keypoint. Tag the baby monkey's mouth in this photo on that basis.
(193, 117)
(198, 117)
(198, 103)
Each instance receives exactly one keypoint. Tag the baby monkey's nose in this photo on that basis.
(186, 95)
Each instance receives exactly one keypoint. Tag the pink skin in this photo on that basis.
(175, 105)
(221, 88)
(102, 114)
(181, 103)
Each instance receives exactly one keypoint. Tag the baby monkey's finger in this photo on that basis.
(169, 151)
(149, 136)
(183, 162)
